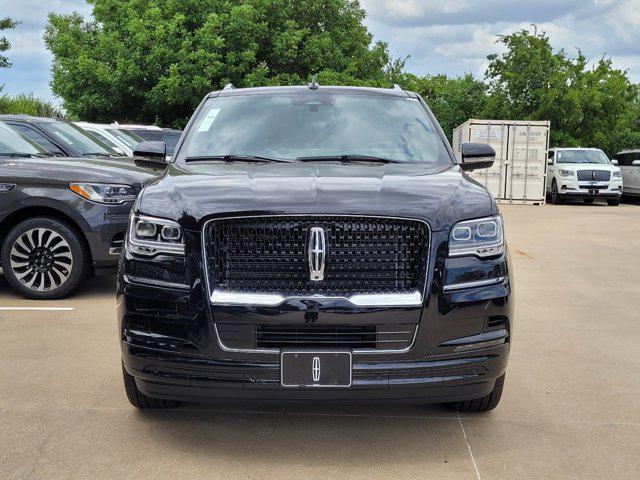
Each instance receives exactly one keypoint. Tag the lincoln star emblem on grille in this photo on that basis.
(315, 369)
(317, 254)
(593, 175)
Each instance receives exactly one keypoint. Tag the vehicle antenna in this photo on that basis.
(314, 85)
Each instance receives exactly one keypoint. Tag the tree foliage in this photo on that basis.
(154, 60)
(28, 104)
(6, 23)
(587, 105)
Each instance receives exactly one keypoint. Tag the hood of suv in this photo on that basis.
(77, 169)
(190, 193)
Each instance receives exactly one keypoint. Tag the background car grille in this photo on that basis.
(364, 255)
(370, 337)
(594, 175)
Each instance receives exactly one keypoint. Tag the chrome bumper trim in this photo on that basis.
(220, 297)
(155, 283)
(477, 283)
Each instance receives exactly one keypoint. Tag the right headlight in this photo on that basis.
(565, 173)
(482, 237)
(149, 236)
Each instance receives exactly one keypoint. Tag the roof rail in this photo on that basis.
(229, 86)
(397, 87)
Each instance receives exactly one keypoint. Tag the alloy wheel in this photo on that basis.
(41, 259)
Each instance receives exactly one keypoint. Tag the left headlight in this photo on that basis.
(617, 174)
(565, 173)
(111, 194)
(151, 235)
(482, 237)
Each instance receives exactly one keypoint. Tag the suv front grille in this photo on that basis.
(357, 337)
(364, 255)
(594, 175)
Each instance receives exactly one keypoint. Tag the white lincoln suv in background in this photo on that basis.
(583, 174)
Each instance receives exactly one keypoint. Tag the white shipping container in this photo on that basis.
(518, 174)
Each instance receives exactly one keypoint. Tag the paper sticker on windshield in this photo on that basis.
(208, 120)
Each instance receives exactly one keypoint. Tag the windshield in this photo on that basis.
(78, 139)
(12, 142)
(129, 138)
(582, 156)
(311, 124)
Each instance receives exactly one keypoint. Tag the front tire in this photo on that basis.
(139, 399)
(588, 201)
(484, 404)
(555, 196)
(613, 203)
(43, 258)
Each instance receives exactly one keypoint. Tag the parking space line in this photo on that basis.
(468, 446)
(37, 309)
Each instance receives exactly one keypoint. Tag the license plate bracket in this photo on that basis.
(316, 369)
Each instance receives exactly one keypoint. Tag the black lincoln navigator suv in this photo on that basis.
(315, 243)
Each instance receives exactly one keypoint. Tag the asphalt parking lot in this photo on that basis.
(571, 407)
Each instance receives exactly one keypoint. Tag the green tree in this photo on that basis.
(587, 105)
(6, 23)
(154, 60)
(28, 104)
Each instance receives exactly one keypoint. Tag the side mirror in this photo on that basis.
(614, 162)
(477, 155)
(151, 151)
(550, 161)
(636, 163)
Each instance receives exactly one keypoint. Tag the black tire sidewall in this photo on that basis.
(555, 195)
(78, 251)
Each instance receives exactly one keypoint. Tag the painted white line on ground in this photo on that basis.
(469, 447)
(37, 309)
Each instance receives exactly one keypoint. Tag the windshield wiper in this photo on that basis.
(233, 158)
(17, 154)
(346, 158)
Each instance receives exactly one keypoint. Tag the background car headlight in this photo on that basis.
(617, 174)
(482, 237)
(104, 192)
(565, 173)
(151, 235)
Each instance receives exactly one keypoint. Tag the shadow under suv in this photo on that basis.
(315, 243)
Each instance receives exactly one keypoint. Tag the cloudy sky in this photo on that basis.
(441, 36)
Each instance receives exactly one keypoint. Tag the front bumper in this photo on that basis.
(571, 188)
(182, 358)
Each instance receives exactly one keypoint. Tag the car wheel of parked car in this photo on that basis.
(555, 196)
(139, 399)
(44, 258)
(613, 203)
(589, 201)
(484, 404)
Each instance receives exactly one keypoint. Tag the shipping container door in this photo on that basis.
(526, 165)
(496, 135)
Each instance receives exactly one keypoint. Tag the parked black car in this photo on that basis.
(59, 138)
(316, 243)
(61, 219)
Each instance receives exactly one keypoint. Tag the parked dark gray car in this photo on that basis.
(61, 219)
(60, 138)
